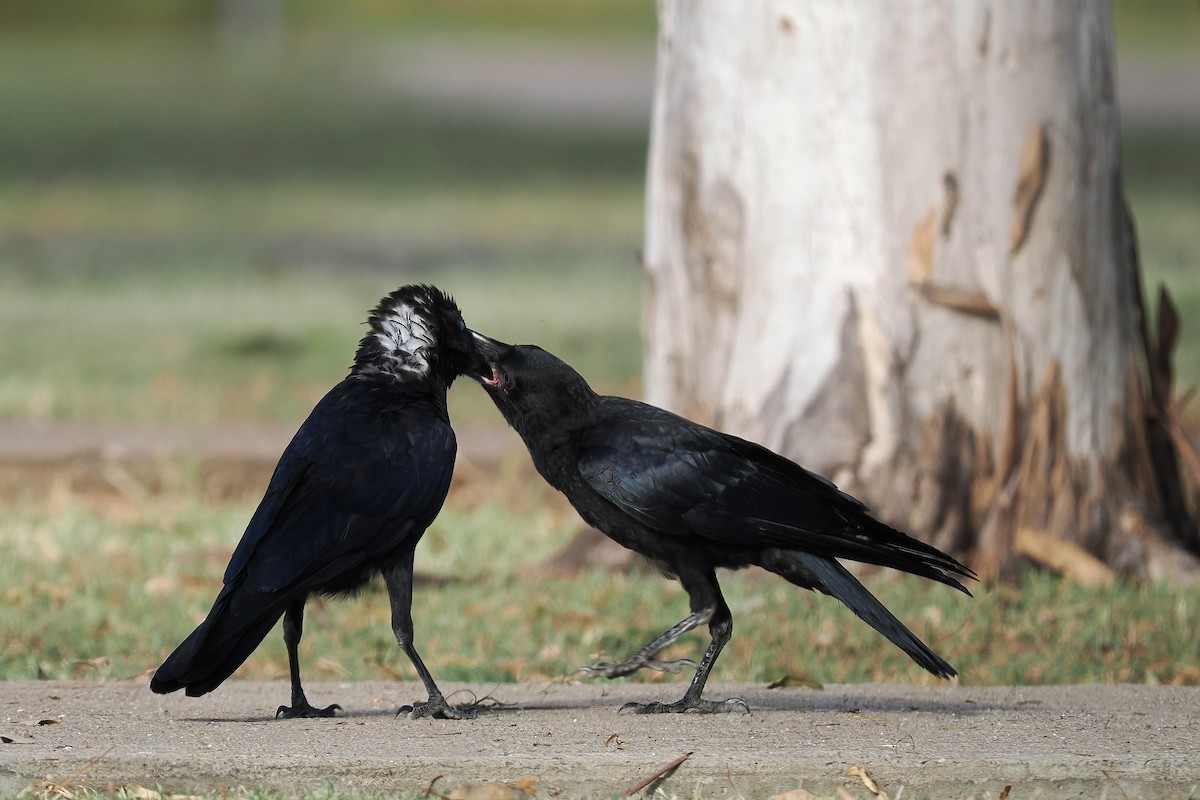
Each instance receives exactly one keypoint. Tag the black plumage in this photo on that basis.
(694, 499)
(353, 492)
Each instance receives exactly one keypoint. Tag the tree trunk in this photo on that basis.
(889, 240)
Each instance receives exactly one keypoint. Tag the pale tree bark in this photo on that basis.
(889, 239)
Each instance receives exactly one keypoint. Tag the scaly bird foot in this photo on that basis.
(438, 708)
(606, 670)
(305, 711)
(683, 707)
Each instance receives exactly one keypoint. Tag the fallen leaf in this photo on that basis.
(792, 681)
(49, 791)
(864, 776)
(795, 794)
(1004, 792)
(142, 793)
(15, 738)
(486, 791)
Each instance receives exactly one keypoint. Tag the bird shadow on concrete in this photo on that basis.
(760, 702)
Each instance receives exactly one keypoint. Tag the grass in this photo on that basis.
(325, 108)
(494, 619)
(581, 18)
(198, 351)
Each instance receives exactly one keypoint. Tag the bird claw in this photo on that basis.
(604, 669)
(683, 707)
(438, 709)
(305, 711)
(601, 669)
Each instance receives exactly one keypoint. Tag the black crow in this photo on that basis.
(359, 483)
(693, 499)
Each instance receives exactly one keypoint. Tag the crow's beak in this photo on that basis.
(491, 351)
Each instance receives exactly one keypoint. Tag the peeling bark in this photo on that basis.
(1035, 161)
(890, 240)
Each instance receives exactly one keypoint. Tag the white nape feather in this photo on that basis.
(405, 337)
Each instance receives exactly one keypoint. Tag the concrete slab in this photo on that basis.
(952, 741)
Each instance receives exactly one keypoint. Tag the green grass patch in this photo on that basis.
(196, 350)
(1164, 25)
(91, 594)
(178, 107)
(587, 18)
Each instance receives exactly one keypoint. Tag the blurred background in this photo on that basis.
(200, 200)
(210, 195)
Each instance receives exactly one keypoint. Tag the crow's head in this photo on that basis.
(417, 333)
(533, 389)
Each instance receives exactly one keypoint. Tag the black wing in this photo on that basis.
(353, 485)
(680, 478)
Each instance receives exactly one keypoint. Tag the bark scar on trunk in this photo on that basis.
(1031, 177)
(965, 301)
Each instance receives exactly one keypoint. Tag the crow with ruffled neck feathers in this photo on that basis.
(353, 492)
(693, 499)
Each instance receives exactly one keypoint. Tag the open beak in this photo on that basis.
(486, 370)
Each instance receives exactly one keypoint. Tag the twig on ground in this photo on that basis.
(1116, 785)
(428, 790)
(660, 774)
(50, 789)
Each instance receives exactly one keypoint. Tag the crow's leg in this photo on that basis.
(399, 580)
(645, 656)
(293, 629)
(707, 603)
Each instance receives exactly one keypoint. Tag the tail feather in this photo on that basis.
(218, 646)
(837, 581)
(877, 543)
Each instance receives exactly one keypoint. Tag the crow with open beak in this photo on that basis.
(693, 499)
